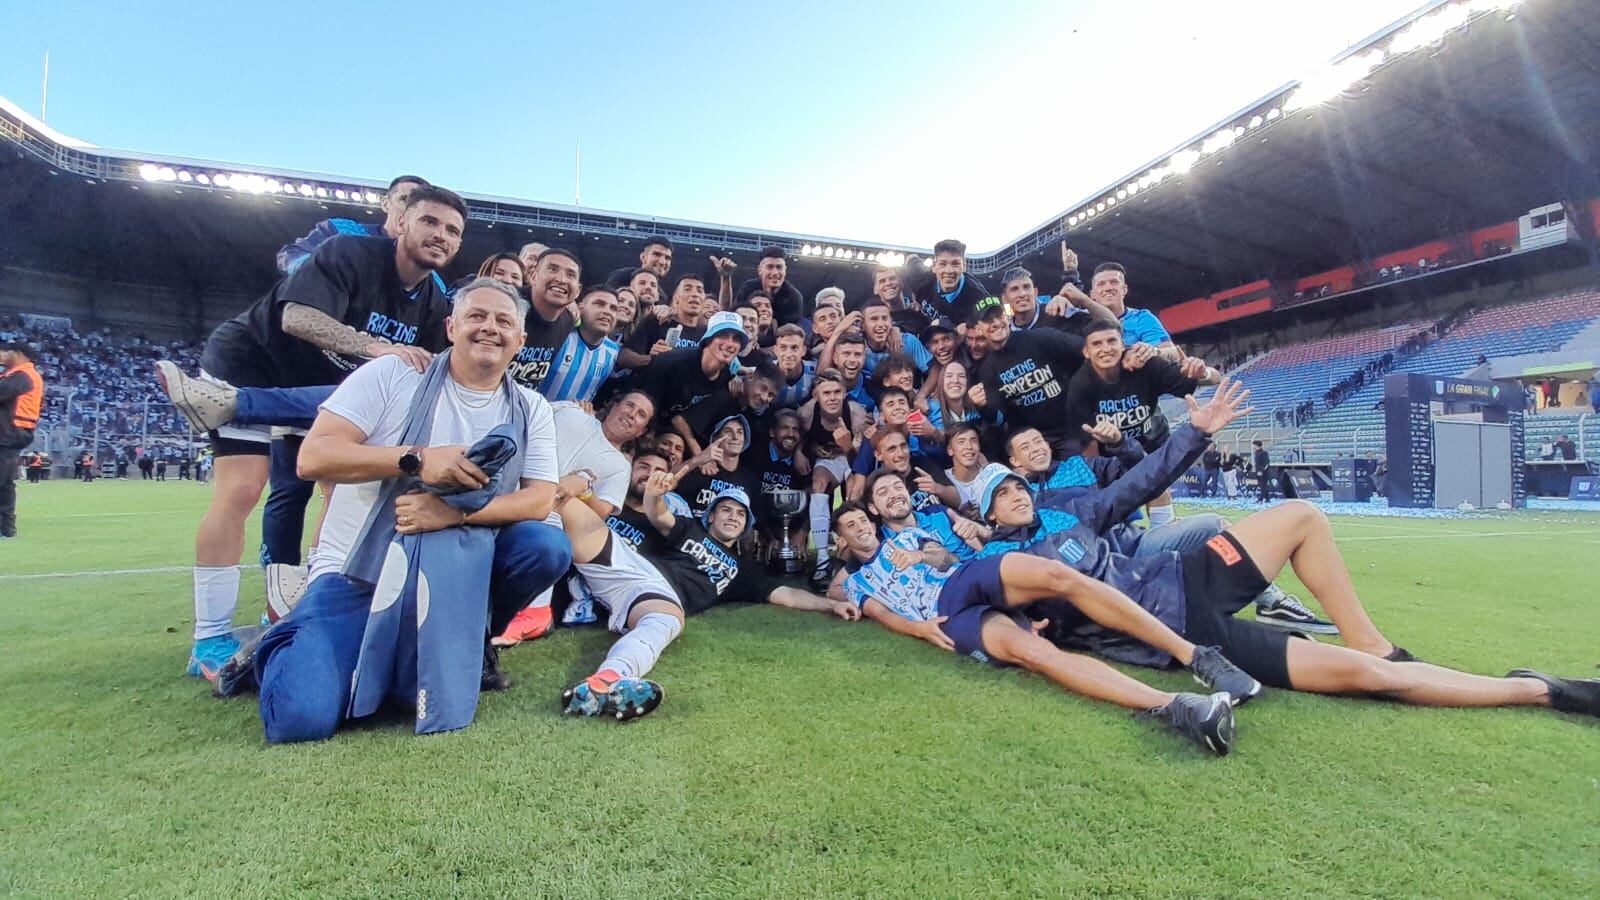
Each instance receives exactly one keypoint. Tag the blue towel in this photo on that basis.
(423, 643)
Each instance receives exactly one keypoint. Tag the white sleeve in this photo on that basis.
(612, 486)
(539, 458)
(366, 393)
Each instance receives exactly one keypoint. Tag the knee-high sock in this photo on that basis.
(635, 653)
(216, 594)
(821, 509)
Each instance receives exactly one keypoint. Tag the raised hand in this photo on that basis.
(724, 265)
(1192, 367)
(1106, 432)
(1134, 358)
(1222, 409)
(1069, 259)
(660, 484)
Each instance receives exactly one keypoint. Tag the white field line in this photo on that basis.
(1464, 534)
(101, 573)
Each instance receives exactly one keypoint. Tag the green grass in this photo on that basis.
(796, 756)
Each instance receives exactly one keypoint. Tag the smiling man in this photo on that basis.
(304, 665)
(588, 355)
(683, 379)
(356, 298)
(553, 285)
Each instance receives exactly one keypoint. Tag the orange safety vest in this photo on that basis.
(26, 414)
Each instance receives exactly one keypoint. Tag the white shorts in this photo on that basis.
(628, 579)
(838, 467)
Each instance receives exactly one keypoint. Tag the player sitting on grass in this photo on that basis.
(697, 566)
(1030, 456)
(1197, 593)
(911, 585)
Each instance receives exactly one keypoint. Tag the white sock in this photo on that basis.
(216, 595)
(544, 598)
(635, 653)
(1161, 515)
(821, 509)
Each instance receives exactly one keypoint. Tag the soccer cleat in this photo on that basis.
(1206, 720)
(493, 679)
(821, 576)
(207, 404)
(1279, 610)
(1218, 673)
(619, 698)
(1569, 695)
(286, 584)
(209, 655)
(532, 623)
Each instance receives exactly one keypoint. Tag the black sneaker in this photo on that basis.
(1569, 695)
(238, 675)
(1218, 673)
(493, 679)
(1276, 609)
(821, 576)
(1206, 720)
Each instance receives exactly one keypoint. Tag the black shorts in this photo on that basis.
(1219, 579)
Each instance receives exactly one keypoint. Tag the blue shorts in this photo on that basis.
(972, 593)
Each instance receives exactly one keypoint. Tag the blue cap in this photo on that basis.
(989, 479)
(737, 495)
(734, 418)
(722, 322)
(942, 323)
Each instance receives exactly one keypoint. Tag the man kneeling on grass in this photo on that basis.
(421, 536)
(909, 583)
(1196, 593)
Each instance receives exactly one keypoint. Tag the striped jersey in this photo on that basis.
(911, 593)
(579, 369)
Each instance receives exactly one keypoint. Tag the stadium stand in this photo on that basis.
(1537, 326)
(99, 395)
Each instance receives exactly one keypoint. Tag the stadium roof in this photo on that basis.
(1462, 115)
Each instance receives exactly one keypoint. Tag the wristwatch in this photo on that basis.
(411, 461)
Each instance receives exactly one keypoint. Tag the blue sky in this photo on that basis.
(889, 121)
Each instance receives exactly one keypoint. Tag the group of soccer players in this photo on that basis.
(987, 472)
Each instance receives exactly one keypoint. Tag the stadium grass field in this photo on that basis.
(796, 755)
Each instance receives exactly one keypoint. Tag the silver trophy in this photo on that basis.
(788, 503)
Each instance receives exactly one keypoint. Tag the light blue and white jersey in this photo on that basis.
(911, 593)
(1142, 325)
(791, 396)
(579, 369)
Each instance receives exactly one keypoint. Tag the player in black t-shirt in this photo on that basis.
(1023, 375)
(1108, 390)
(553, 285)
(654, 257)
(719, 467)
(749, 395)
(773, 463)
(356, 298)
(1021, 297)
(682, 379)
(650, 337)
(951, 291)
(703, 562)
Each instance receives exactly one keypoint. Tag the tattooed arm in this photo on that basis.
(320, 329)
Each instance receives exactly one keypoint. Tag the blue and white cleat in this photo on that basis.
(209, 655)
(622, 699)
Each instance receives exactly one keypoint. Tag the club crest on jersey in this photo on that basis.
(1072, 551)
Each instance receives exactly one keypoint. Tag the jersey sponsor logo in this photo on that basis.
(1224, 548)
(1027, 383)
(713, 562)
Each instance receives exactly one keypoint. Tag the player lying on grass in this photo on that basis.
(910, 584)
(1030, 456)
(1197, 593)
(696, 566)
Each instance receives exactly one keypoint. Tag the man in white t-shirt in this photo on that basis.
(305, 662)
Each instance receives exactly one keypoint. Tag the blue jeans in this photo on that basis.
(283, 518)
(289, 407)
(305, 662)
(1179, 535)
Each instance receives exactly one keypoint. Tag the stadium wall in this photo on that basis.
(157, 313)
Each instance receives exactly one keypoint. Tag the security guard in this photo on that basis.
(21, 399)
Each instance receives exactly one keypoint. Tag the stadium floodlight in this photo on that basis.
(371, 197)
(1326, 84)
(306, 190)
(1089, 213)
(339, 194)
(322, 192)
(827, 251)
(150, 172)
(1219, 141)
(184, 176)
(1072, 219)
(1273, 113)
(167, 174)
(222, 179)
(1122, 194)
(927, 263)
(1255, 122)
(273, 185)
(203, 178)
(1182, 161)
(1430, 28)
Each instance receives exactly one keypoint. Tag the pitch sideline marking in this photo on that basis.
(101, 573)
